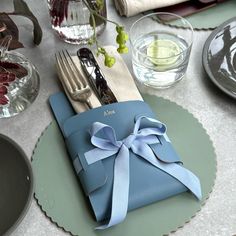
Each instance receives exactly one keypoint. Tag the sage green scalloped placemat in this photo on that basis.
(59, 194)
(214, 16)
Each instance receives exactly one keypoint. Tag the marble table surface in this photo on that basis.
(215, 110)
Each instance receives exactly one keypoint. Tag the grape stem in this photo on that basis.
(94, 12)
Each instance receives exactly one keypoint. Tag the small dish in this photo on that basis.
(219, 57)
(16, 185)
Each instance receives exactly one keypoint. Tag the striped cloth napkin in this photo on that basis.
(133, 7)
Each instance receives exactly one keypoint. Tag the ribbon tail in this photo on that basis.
(120, 193)
(186, 177)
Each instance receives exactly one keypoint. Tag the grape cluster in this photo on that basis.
(109, 60)
(121, 39)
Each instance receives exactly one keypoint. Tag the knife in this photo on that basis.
(95, 76)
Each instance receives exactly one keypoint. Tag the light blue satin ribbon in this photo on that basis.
(138, 142)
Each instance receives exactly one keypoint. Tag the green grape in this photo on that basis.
(109, 61)
(122, 49)
(119, 29)
(122, 38)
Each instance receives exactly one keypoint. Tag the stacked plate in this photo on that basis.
(16, 185)
(219, 57)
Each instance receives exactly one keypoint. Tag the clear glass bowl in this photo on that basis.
(22, 91)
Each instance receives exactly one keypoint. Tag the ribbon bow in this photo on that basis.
(138, 142)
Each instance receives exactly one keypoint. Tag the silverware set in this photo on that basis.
(95, 77)
(76, 86)
(74, 83)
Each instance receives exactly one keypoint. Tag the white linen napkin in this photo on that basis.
(118, 78)
(133, 7)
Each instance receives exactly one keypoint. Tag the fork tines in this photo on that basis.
(71, 78)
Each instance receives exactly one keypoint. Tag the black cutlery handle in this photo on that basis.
(95, 76)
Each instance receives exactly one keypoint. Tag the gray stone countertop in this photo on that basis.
(195, 92)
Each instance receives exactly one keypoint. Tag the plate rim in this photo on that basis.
(205, 59)
(27, 205)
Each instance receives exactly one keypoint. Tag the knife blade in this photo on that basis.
(95, 76)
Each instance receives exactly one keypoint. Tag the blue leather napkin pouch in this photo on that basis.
(128, 131)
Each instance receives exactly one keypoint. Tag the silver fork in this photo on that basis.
(72, 79)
